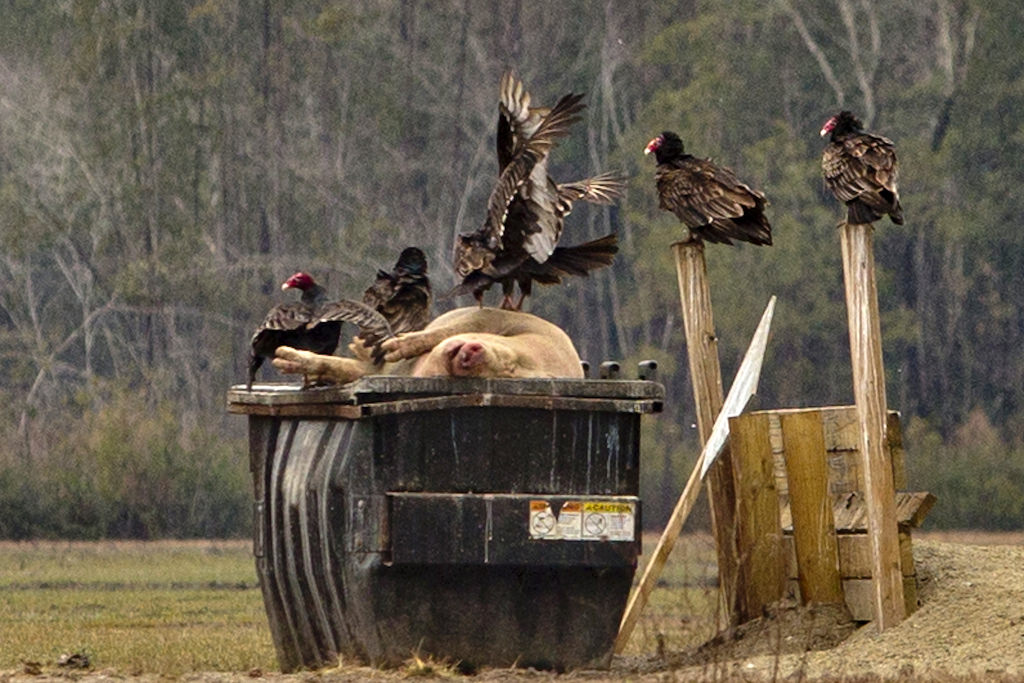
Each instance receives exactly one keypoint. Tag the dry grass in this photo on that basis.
(170, 608)
(191, 609)
(165, 608)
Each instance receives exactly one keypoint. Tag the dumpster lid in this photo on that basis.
(387, 394)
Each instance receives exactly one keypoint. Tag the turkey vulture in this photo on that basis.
(707, 198)
(527, 208)
(311, 323)
(861, 170)
(403, 296)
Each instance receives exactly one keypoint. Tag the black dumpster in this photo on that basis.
(489, 522)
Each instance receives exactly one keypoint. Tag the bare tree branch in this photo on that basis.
(816, 51)
(863, 74)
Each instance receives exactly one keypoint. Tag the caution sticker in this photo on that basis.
(583, 520)
(609, 521)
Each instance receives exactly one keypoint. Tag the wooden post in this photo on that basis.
(810, 504)
(761, 576)
(869, 395)
(706, 377)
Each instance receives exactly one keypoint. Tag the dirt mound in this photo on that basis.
(969, 626)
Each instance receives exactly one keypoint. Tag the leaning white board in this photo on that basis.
(744, 385)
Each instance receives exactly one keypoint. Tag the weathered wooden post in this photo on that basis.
(869, 395)
(706, 378)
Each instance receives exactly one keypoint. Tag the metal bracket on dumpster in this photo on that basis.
(514, 529)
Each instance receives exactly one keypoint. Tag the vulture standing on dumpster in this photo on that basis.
(312, 323)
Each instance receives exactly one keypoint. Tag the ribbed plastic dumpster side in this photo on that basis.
(393, 517)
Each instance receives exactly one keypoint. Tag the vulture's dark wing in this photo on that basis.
(283, 317)
(381, 291)
(513, 104)
(576, 260)
(863, 168)
(600, 189)
(529, 166)
(520, 120)
(373, 327)
(292, 324)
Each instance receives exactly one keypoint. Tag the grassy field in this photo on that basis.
(170, 608)
(160, 608)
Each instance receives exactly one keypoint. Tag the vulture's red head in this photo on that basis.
(666, 146)
(300, 280)
(842, 123)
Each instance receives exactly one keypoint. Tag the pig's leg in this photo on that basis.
(317, 368)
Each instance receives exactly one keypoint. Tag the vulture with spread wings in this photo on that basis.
(861, 170)
(706, 197)
(526, 211)
(312, 323)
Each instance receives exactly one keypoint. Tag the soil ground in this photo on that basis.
(969, 627)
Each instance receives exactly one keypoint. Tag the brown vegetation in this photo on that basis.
(969, 627)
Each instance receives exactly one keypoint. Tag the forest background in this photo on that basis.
(164, 166)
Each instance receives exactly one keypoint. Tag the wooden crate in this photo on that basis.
(836, 552)
(841, 448)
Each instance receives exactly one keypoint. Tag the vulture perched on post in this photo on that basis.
(707, 198)
(526, 211)
(861, 170)
(311, 323)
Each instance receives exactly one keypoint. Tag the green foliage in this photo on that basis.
(164, 166)
(128, 470)
(976, 477)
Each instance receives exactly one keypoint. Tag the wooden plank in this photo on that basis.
(842, 444)
(894, 446)
(761, 576)
(859, 596)
(706, 380)
(814, 531)
(912, 508)
(869, 395)
(854, 556)
(850, 516)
